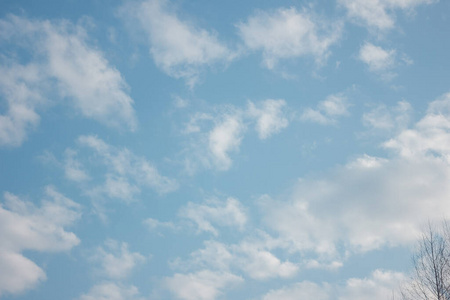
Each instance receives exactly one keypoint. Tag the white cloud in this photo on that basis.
(327, 111)
(21, 86)
(213, 137)
(73, 169)
(60, 57)
(380, 285)
(178, 47)
(225, 137)
(377, 58)
(269, 115)
(18, 273)
(112, 291)
(82, 72)
(324, 212)
(126, 172)
(252, 255)
(331, 266)
(388, 119)
(430, 137)
(202, 285)
(223, 213)
(288, 33)
(153, 224)
(262, 264)
(98, 90)
(194, 126)
(24, 226)
(301, 290)
(179, 102)
(378, 14)
(214, 255)
(249, 257)
(218, 134)
(371, 202)
(117, 261)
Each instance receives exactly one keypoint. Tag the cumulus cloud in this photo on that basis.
(223, 213)
(201, 285)
(327, 111)
(180, 48)
(376, 58)
(218, 134)
(430, 137)
(224, 138)
(371, 202)
(287, 33)
(112, 291)
(117, 261)
(61, 57)
(214, 137)
(378, 14)
(23, 226)
(269, 115)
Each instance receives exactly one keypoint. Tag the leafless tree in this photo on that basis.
(431, 276)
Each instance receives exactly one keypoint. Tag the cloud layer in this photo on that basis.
(383, 196)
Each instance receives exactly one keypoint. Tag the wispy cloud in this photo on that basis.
(73, 168)
(287, 33)
(389, 119)
(224, 213)
(378, 14)
(180, 48)
(251, 257)
(116, 261)
(327, 111)
(104, 172)
(21, 86)
(126, 172)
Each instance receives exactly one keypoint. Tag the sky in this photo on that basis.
(212, 150)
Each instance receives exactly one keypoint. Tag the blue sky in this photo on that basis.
(202, 150)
